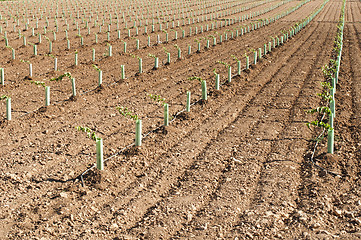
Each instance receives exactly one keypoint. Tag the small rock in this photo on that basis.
(316, 225)
(249, 235)
(303, 219)
(12, 176)
(337, 212)
(300, 214)
(349, 214)
(49, 230)
(283, 215)
(205, 227)
(268, 213)
(357, 221)
(323, 232)
(63, 195)
(28, 175)
(114, 226)
(278, 235)
(94, 208)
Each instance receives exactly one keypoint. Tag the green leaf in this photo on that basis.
(61, 77)
(3, 97)
(89, 132)
(38, 83)
(125, 112)
(195, 78)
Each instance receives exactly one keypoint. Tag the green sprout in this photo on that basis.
(320, 124)
(165, 50)
(326, 96)
(89, 132)
(134, 56)
(125, 112)
(24, 61)
(4, 97)
(67, 74)
(96, 68)
(50, 55)
(235, 58)
(195, 78)
(38, 83)
(214, 71)
(224, 63)
(157, 98)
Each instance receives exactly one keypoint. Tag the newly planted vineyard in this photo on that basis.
(180, 119)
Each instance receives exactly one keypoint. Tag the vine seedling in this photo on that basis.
(198, 45)
(30, 67)
(204, 86)
(238, 64)
(100, 74)
(255, 56)
(188, 103)
(179, 51)
(47, 91)
(92, 135)
(247, 60)
(109, 50)
(125, 112)
(155, 60)
(140, 63)
(99, 145)
(2, 76)
(68, 75)
(138, 123)
(8, 106)
(324, 110)
(217, 78)
(168, 55)
(161, 100)
(157, 98)
(229, 68)
(12, 52)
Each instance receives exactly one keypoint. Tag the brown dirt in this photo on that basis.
(235, 167)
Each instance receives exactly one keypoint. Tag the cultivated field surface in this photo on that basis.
(241, 164)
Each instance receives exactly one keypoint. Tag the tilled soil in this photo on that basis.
(237, 166)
